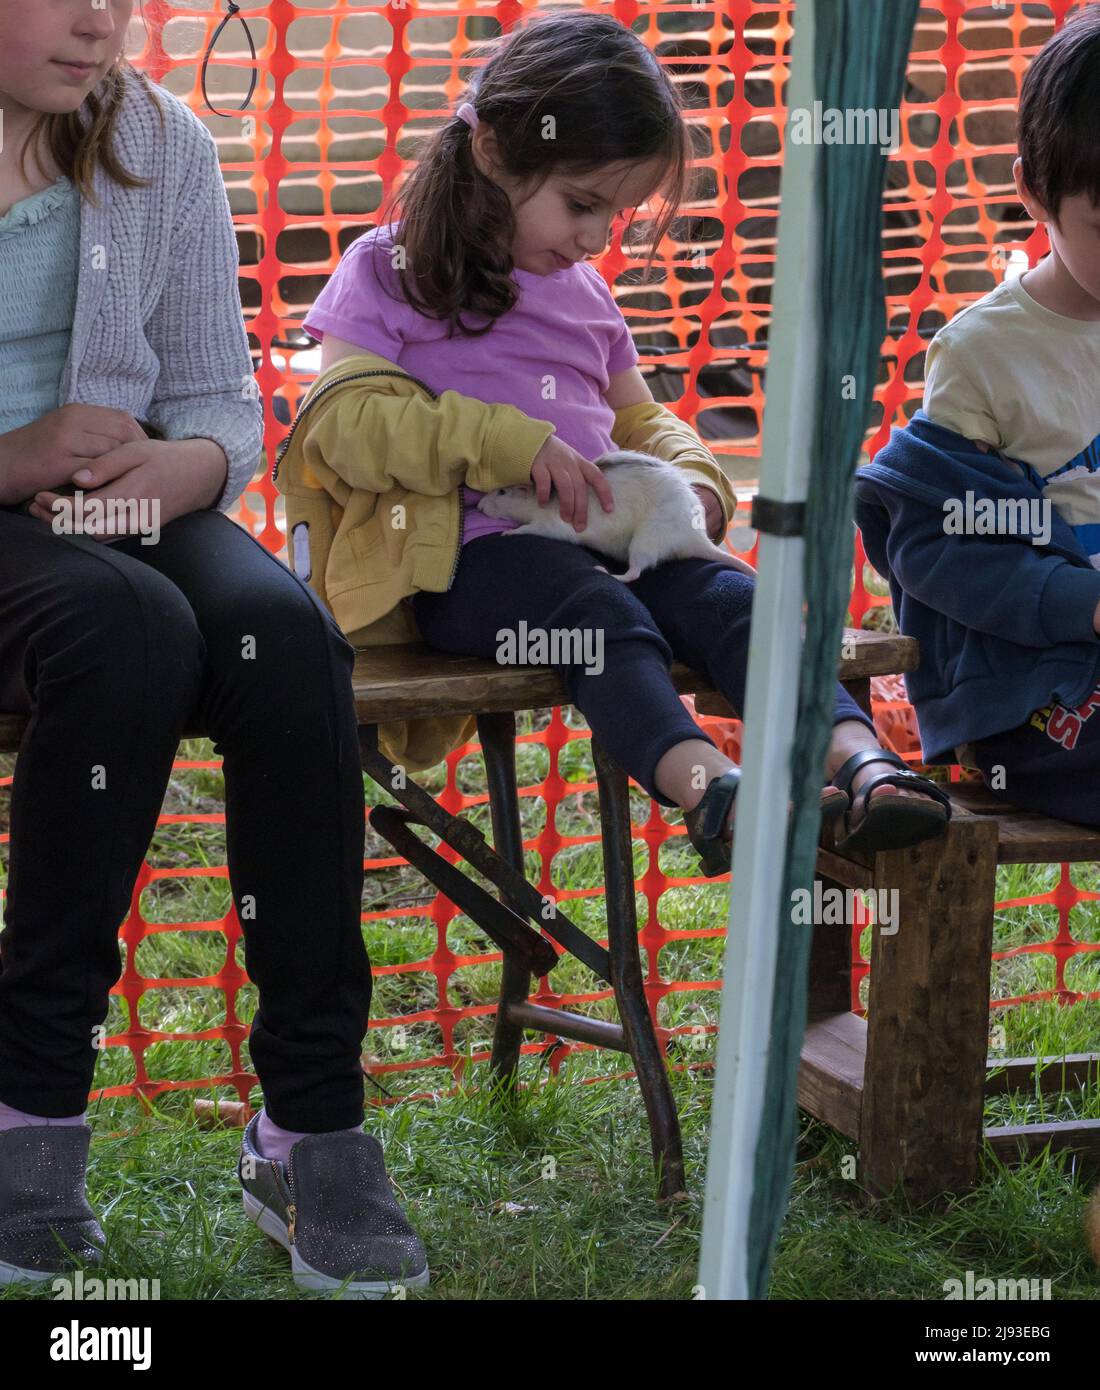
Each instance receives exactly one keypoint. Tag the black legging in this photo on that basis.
(113, 649)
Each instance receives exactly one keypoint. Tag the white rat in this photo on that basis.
(655, 516)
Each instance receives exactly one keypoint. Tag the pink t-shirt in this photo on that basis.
(565, 333)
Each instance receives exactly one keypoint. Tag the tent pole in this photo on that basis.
(771, 708)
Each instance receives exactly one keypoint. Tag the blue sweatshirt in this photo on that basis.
(1004, 625)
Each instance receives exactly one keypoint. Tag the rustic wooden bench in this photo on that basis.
(414, 682)
(909, 1083)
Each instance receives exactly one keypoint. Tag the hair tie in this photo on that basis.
(467, 113)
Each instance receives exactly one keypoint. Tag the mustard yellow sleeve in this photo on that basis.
(375, 440)
(651, 428)
(953, 399)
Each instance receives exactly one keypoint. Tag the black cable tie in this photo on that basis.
(234, 11)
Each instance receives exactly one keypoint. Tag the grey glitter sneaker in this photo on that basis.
(47, 1227)
(332, 1207)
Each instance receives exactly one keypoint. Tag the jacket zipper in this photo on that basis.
(339, 381)
(461, 532)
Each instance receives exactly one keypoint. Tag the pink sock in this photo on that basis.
(10, 1118)
(275, 1142)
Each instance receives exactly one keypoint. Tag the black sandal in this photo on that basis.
(891, 822)
(706, 822)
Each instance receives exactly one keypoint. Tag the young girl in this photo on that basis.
(127, 374)
(483, 291)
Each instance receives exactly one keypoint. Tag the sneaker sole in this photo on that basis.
(306, 1277)
(15, 1274)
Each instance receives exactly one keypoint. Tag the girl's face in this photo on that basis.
(54, 52)
(570, 217)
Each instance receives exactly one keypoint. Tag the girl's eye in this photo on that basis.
(579, 207)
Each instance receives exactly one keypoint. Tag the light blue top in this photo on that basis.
(156, 329)
(39, 255)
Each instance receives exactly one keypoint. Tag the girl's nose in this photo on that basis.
(97, 21)
(594, 245)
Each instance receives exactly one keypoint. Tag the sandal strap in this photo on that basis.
(842, 778)
(718, 798)
(908, 781)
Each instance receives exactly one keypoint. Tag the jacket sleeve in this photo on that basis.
(992, 586)
(377, 440)
(206, 387)
(651, 428)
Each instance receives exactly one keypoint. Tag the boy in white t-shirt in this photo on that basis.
(1019, 370)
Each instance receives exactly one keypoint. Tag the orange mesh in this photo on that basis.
(341, 89)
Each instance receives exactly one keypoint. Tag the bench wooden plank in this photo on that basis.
(1015, 1143)
(1026, 837)
(871, 654)
(1051, 1074)
(830, 1078)
(412, 681)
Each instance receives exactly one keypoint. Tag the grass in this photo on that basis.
(552, 1198)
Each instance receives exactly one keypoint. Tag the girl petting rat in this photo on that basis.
(518, 368)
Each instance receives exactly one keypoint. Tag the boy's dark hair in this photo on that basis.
(1059, 122)
(610, 101)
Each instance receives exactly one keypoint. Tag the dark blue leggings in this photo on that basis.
(694, 611)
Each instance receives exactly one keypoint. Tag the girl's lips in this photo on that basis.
(76, 69)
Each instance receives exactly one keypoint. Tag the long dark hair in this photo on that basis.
(611, 102)
(81, 140)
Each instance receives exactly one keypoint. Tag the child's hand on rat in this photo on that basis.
(712, 508)
(560, 468)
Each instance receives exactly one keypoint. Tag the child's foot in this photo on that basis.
(47, 1228)
(868, 773)
(710, 822)
(884, 815)
(332, 1207)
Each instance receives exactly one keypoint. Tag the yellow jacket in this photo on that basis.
(371, 472)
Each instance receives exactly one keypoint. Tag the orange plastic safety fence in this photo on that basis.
(342, 87)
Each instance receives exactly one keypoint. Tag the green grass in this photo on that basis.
(552, 1197)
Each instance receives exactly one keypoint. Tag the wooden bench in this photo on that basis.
(415, 681)
(909, 1083)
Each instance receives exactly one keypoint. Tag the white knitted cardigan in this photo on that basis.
(158, 329)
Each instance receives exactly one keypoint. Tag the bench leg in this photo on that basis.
(829, 982)
(928, 1016)
(626, 975)
(498, 741)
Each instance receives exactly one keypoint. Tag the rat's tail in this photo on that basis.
(717, 552)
